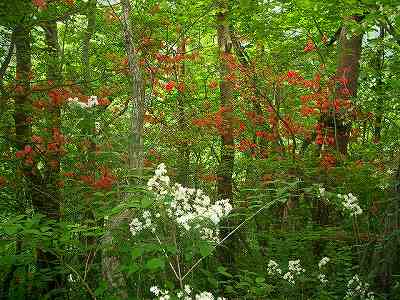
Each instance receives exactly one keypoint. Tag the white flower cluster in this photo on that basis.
(321, 192)
(137, 226)
(350, 203)
(323, 262)
(355, 287)
(322, 278)
(185, 294)
(161, 294)
(92, 102)
(294, 269)
(273, 268)
(159, 183)
(185, 206)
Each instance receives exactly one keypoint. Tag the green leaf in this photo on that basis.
(260, 279)
(146, 202)
(137, 252)
(222, 271)
(155, 263)
(205, 249)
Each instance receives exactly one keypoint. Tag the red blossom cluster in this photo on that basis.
(309, 46)
(58, 96)
(321, 138)
(327, 161)
(169, 86)
(105, 181)
(27, 153)
(255, 118)
(56, 144)
(213, 84)
(266, 135)
(246, 144)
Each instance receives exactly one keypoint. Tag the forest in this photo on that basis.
(200, 150)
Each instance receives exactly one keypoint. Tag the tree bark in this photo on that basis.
(111, 263)
(53, 75)
(183, 160)
(379, 66)
(348, 68)
(90, 28)
(136, 156)
(225, 168)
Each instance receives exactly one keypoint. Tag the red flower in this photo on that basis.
(309, 46)
(20, 154)
(260, 133)
(29, 161)
(37, 139)
(213, 85)
(40, 3)
(292, 74)
(330, 140)
(27, 149)
(103, 102)
(56, 97)
(170, 86)
(181, 87)
(319, 140)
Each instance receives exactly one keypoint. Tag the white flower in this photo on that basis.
(289, 278)
(322, 278)
(155, 290)
(355, 287)
(273, 268)
(294, 267)
(323, 262)
(187, 289)
(321, 191)
(350, 203)
(204, 296)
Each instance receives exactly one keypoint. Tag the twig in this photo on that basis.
(227, 236)
(166, 255)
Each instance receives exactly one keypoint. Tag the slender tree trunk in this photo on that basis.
(43, 200)
(90, 28)
(183, 161)
(225, 168)
(54, 75)
(111, 262)
(136, 156)
(91, 257)
(347, 68)
(23, 99)
(379, 66)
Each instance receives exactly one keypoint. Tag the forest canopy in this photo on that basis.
(210, 149)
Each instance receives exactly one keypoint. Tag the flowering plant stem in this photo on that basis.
(226, 237)
(166, 255)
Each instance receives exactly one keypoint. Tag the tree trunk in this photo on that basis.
(136, 156)
(347, 68)
(379, 66)
(183, 160)
(225, 168)
(111, 262)
(54, 75)
(90, 28)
